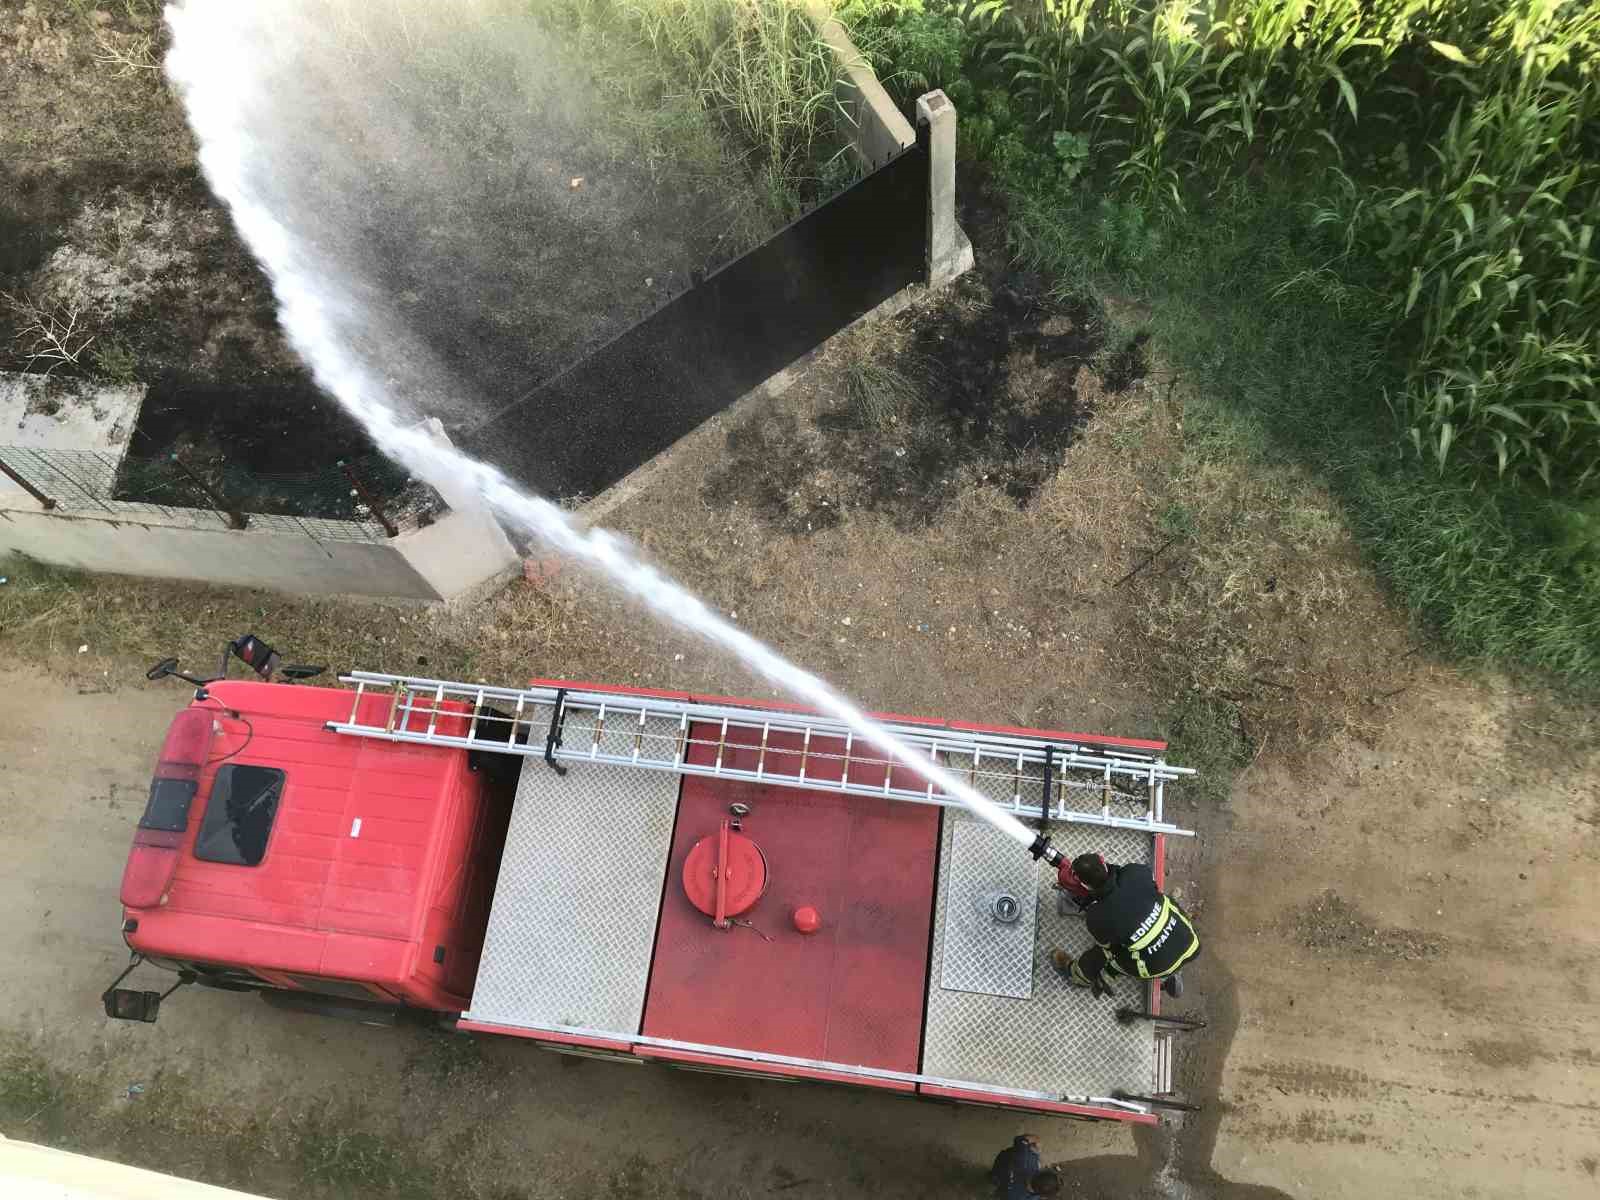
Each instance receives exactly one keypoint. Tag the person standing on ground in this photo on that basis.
(1137, 931)
(1016, 1173)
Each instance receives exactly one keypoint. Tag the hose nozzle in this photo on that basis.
(1042, 848)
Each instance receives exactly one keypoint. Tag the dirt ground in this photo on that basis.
(1394, 892)
(1400, 992)
(1337, 1062)
(994, 506)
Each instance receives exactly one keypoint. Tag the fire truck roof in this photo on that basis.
(355, 829)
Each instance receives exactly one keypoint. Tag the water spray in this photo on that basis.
(216, 65)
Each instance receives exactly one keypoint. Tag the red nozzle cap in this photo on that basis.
(806, 919)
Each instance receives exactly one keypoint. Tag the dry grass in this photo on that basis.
(47, 614)
(84, 91)
(1150, 587)
(50, 334)
(1241, 582)
(302, 1145)
(125, 54)
(1146, 578)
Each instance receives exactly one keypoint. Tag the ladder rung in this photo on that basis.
(394, 707)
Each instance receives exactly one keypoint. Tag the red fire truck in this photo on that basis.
(699, 881)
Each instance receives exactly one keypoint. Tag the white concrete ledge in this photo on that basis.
(459, 551)
(878, 128)
(454, 554)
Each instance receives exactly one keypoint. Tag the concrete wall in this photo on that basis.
(459, 551)
(880, 129)
(949, 249)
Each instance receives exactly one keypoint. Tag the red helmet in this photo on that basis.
(1085, 875)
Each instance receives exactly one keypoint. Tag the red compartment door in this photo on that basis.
(850, 993)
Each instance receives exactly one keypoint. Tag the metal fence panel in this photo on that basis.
(369, 500)
(582, 431)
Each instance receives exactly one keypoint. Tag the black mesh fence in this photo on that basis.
(626, 402)
(366, 499)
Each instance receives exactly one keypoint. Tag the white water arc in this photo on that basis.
(220, 66)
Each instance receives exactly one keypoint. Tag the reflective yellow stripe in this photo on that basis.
(1168, 909)
(1194, 945)
(1154, 930)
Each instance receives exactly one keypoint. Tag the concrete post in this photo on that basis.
(949, 249)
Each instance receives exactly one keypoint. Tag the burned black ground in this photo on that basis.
(982, 387)
(501, 221)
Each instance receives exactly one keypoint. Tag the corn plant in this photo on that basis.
(1492, 254)
(1049, 58)
(1148, 94)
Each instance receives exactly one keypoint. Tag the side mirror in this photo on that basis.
(297, 671)
(125, 1004)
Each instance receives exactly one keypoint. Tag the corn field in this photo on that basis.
(1454, 143)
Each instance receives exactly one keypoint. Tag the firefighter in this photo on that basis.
(1016, 1174)
(1137, 930)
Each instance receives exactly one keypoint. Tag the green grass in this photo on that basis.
(29, 1089)
(342, 1160)
(316, 1147)
(881, 393)
(1366, 234)
(115, 361)
(757, 68)
(1287, 358)
(1205, 733)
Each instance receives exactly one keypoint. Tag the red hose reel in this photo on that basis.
(724, 875)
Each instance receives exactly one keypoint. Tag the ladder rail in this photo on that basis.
(1020, 762)
(667, 747)
(1025, 810)
(1030, 750)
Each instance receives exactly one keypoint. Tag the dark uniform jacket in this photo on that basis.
(1013, 1169)
(1142, 931)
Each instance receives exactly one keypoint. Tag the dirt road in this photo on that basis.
(1396, 979)
(1407, 934)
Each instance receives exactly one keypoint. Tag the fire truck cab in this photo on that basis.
(700, 881)
(276, 855)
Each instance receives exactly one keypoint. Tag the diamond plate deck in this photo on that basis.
(1060, 1040)
(572, 926)
(982, 954)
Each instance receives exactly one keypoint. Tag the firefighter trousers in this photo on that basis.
(1094, 963)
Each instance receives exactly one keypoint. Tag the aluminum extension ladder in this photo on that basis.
(1029, 777)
